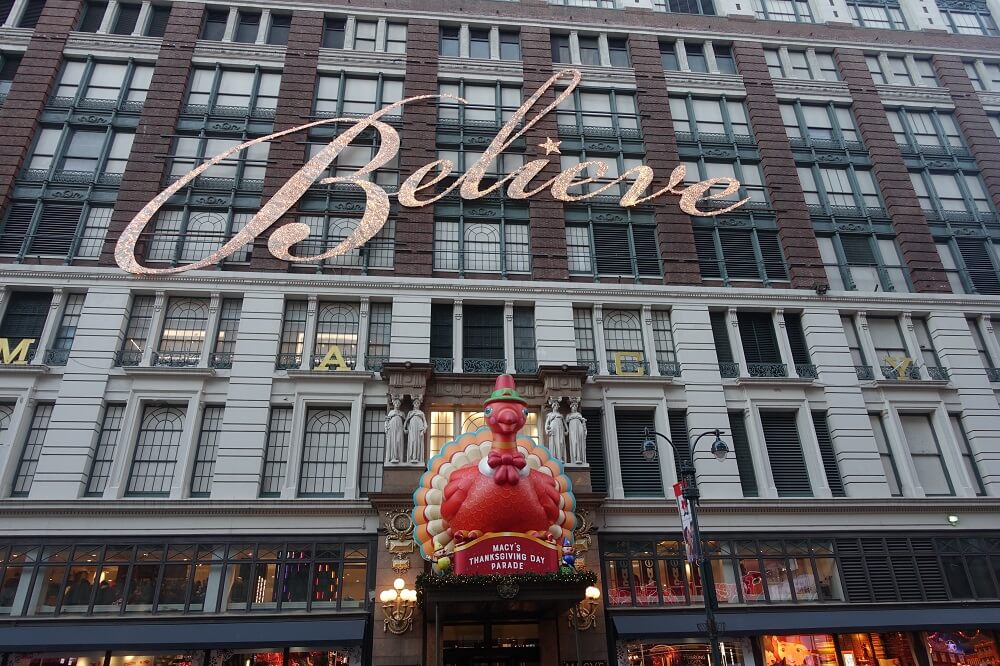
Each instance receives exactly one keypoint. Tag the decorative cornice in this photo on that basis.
(87, 43)
(238, 53)
(122, 508)
(612, 76)
(698, 82)
(15, 37)
(845, 505)
(493, 69)
(826, 90)
(917, 95)
(388, 63)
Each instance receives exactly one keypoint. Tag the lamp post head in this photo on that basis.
(649, 452)
(719, 448)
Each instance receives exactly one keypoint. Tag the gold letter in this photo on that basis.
(408, 190)
(692, 194)
(335, 357)
(17, 356)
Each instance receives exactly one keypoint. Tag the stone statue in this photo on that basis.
(555, 428)
(394, 433)
(577, 427)
(416, 426)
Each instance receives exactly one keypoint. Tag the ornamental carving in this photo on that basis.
(399, 538)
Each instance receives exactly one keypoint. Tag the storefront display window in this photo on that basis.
(961, 648)
(263, 657)
(680, 654)
(157, 659)
(58, 659)
(799, 650)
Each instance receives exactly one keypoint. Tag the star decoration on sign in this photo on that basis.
(550, 146)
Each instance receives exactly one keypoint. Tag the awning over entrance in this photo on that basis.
(250, 632)
(766, 621)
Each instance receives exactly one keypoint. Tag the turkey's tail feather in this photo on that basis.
(468, 449)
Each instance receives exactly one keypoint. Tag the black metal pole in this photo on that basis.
(576, 634)
(692, 495)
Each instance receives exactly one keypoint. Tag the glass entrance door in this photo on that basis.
(491, 644)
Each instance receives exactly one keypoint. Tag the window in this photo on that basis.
(333, 33)
(524, 340)
(215, 24)
(510, 45)
(828, 454)
(627, 248)
(784, 452)
(127, 18)
(623, 343)
(583, 332)
(77, 155)
(487, 104)
(984, 75)
(136, 331)
(854, 345)
(668, 56)
(233, 92)
(66, 332)
(482, 240)
(877, 14)
(158, 17)
(885, 454)
(243, 170)
(697, 60)
(741, 448)
(830, 188)
(819, 125)
(184, 327)
(984, 354)
(8, 68)
(977, 259)
(277, 32)
(450, 42)
(336, 326)
(103, 85)
(590, 52)
(379, 335)
(343, 95)
(927, 352)
(795, 64)
(93, 15)
(293, 332)
(225, 337)
(863, 262)
(372, 451)
(483, 339)
(368, 39)
(32, 450)
(663, 343)
(760, 345)
(585, 109)
(951, 195)
(324, 453)
(6, 415)
(560, 49)
(890, 350)
(711, 119)
(724, 59)
(918, 431)
(442, 337)
(968, 457)
(479, 43)
(185, 235)
(103, 456)
(247, 26)
(902, 71)
(156, 450)
(783, 10)
(740, 254)
(618, 51)
(723, 349)
(640, 477)
(748, 174)
(279, 434)
(206, 450)
(968, 18)
(24, 319)
(932, 131)
(31, 13)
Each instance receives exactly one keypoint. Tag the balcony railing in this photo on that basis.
(221, 361)
(864, 372)
(628, 367)
(56, 357)
(128, 358)
(525, 366)
(95, 104)
(374, 363)
(669, 368)
(176, 359)
(993, 374)
(937, 372)
(889, 372)
(806, 371)
(228, 111)
(318, 358)
(767, 369)
(729, 370)
(443, 364)
(488, 366)
(288, 361)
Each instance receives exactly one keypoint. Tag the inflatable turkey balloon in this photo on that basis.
(493, 481)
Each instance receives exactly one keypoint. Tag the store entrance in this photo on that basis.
(491, 644)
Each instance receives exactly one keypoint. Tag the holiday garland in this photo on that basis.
(565, 576)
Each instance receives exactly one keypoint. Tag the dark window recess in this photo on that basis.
(741, 448)
(668, 56)
(8, 68)
(33, 10)
(17, 227)
(757, 333)
(618, 51)
(797, 339)
(277, 34)
(595, 450)
(56, 229)
(479, 43)
(158, 18)
(5, 7)
(93, 14)
(613, 254)
(784, 452)
(450, 46)
(560, 49)
(858, 250)
(739, 256)
(770, 252)
(25, 318)
(721, 337)
(677, 419)
(640, 477)
(724, 59)
(441, 331)
(247, 26)
(979, 267)
(482, 332)
(128, 16)
(215, 24)
(894, 569)
(524, 339)
(708, 258)
(827, 453)
(333, 33)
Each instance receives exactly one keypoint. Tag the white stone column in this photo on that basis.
(240, 456)
(909, 482)
(56, 307)
(758, 451)
(713, 66)
(810, 452)
(786, 60)
(354, 448)
(16, 11)
(181, 483)
(155, 328)
(381, 30)
(599, 344)
(108, 20)
(574, 47)
(457, 335)
(464, 47)
(230, 32)
(648, 346)
(603, 52)
(264, 27)
(736, 342)
(616, 487)
(411, 329)
(868, 345)
(350, 28)
(494, 43)
(24, 412)
(680, 50)
(555, 338)
(784, 347)
(913, 345)
(211, 330)
(364, 322)
(309, 340)
(508, 336)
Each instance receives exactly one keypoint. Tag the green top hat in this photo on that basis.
(504, 390)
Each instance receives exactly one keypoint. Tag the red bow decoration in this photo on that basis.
(506, 466)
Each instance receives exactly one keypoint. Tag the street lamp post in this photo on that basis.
(691, 493)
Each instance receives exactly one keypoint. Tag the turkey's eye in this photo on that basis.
(525, 412)
(488, 411)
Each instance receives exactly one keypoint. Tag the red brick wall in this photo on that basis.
(912, 232)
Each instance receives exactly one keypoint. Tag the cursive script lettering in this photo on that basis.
(376, 211)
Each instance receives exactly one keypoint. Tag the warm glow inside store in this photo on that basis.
(971, 647)
(255, 657)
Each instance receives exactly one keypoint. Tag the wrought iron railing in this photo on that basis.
(767, 369)
(729, 370)
(128, 358)
(889, 372)
(288, 361)
(374, 363)
(94, 104)
(937, 372)
(176, 359)
(318, 358)
(628, 366)
(806, 371)
(221, 360)
(228, 111)
(864, 372)
(56, 357)
(669, 368)
(484, 365)
(525, 366)
(592, 367)
(443, 364)
(993, 374)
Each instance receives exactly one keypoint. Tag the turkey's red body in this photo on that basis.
(474, 501)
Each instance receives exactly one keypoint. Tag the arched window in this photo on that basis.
(156, 449)
(337, 324)
(324, 453)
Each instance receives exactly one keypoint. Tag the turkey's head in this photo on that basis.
(505, 411)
